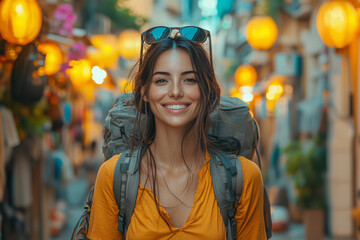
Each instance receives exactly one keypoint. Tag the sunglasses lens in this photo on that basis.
(156, 34)
(193, 33)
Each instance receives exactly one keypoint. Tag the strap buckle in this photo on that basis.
(121, 221)
(232, 224)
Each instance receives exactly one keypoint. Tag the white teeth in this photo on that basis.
(175, 107)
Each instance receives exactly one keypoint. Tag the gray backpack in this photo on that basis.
(230, 119)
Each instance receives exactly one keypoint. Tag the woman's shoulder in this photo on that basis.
(108, 166)
(251, 171)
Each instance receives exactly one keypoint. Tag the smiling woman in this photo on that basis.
(175, 91)
(174, 94)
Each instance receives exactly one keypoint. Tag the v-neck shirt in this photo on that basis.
(204, 221)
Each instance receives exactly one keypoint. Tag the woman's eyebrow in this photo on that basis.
(188, 72)
(168, 74)
(162, 73)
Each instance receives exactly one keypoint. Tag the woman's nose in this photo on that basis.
(176, 89)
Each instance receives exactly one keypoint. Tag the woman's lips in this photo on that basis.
(176, 108)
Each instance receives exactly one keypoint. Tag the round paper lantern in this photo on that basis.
(53, 59)
(80, 72)
(128, 44)
(20, 20)
(245, 75)
(261, 32)
(104, 53)
(337, 23)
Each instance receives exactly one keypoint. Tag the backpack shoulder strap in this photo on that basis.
(227, 179)
(125, 186)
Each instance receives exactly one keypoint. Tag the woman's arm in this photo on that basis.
(104, 211)
(249, 215)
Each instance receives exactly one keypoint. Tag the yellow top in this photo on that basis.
(204, 221)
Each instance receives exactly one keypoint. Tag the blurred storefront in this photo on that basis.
(59, 76)
(61, 64)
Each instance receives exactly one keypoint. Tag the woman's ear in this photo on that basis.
(144, 97)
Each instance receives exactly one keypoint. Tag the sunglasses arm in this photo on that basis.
(141, 49)
(211, 58)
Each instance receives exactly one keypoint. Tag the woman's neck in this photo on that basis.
(167, 148)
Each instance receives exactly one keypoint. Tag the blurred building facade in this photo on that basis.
(319, 81)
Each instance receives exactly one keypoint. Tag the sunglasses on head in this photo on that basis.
(156, 34)
(159, 33)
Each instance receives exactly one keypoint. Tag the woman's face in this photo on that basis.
(174, 94)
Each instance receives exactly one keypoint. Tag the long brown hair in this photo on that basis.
(209, 91)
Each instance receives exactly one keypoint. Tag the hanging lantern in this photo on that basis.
(80, 73)
(104, 53)
(128, 44)
(261, 32)
(245, 75)
(337, 23)
(20, 20)
(53, 59)
(275, 90)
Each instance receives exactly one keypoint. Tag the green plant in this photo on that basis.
(307, 169)
(121, 16)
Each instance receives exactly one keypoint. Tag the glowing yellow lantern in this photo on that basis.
(53, 59)
(104, 53)
(129, 42)
(275, 90)
(20, 20)
(261, 32)
(337, 23)
(245, 75)
(80, 73)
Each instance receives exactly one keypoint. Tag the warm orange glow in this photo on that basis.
(235, 92)
(80, 72)
(126, 86)
(98, 74)
(20, 20)
(337, 23)
(246, 94)
(128, 44)
(105, 52)
(275, 90)
(261, 32)
(245, 75)
(106, 42)
(53, 59)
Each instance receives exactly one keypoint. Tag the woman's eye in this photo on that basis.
(190, 80)
(160, 81)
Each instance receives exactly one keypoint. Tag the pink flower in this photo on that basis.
(62, 11)
(64, 66)
(64, 19)
(77, 52)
